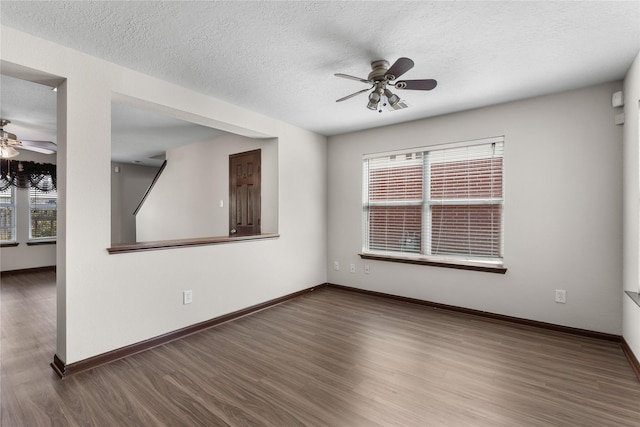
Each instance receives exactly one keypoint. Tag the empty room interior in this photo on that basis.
(320, 213)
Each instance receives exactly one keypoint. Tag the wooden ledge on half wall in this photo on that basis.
(179, 243)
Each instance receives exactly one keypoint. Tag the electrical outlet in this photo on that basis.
(187, 297)
(336, 265)
(367, 269)
(561, 296)
(352, 268)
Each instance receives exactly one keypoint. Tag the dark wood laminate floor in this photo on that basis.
(329, 358)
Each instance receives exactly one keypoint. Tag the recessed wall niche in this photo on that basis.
(190, 197)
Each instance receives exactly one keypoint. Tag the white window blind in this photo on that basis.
(465, 201)
(42, 214)
(444, 202)
(394, 202)
(8, 215)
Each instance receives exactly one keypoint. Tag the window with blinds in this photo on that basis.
(442, 202)
(8, 215)
(42, 214)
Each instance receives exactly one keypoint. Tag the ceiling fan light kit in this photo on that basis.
(380, 77)
(392, 98)
(7, 152)
(10, 141)
(375, 97)
(7, 142)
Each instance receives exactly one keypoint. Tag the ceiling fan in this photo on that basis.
(380, 77)
(9, 142)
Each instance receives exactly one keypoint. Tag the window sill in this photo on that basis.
(9, 245)
(460, 265)
(180, 243)
(41, 242)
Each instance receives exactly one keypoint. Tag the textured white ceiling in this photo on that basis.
(278, 57)
(30, 107)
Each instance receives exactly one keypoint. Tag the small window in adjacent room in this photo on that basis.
(8, 215)
(442, 203)
(42, 214)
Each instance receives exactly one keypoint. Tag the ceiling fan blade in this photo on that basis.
(45, 147)
(353, 94)
(401, 66)
(426, 84)
(347, 76)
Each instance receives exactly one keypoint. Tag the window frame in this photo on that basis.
(35, 240)
(12, 206)
(425, 255)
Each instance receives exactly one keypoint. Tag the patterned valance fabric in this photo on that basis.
(25, 175)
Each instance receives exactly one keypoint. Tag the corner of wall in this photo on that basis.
(631, 207)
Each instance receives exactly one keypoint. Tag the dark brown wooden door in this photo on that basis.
(244, 193)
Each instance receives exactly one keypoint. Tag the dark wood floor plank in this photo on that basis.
(327, 358)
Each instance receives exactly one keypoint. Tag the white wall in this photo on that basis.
(631, 312)
(128, 186)
(109, 301)
(563, 197)
(22, 256)
(185, 202)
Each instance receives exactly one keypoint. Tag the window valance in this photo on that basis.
(25, 175)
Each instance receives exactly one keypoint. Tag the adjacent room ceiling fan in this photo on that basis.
(382, 76)
(10, 142)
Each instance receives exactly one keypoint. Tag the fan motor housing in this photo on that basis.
(378, 70)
